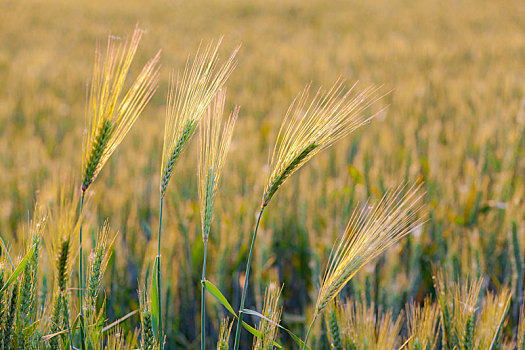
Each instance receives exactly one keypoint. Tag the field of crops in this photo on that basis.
(448, 127)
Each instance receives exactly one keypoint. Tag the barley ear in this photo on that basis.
(146, 324)
(100, 257)
(314, 124)
(370, 231)
(333, 327)
(224, 335)
(111, 112)
(189, 96)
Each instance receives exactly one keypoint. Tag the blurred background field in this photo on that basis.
(455, 118)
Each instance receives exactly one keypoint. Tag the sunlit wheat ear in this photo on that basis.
(490, 326)
(63, 220)
(215, 138)
(371, 231)
(146, 323)
(188, 98)
(422, 325)
(272, 311)
(98, 262)
(314, 124)
(224, 335)
(458, 303)
(111, 111)
(368, 327)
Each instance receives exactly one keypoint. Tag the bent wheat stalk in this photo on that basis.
(369, 233)
(310, 126)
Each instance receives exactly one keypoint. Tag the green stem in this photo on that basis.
(203, 296)
(245, 288)
(309, 330)
(81, 279)
(159, 284)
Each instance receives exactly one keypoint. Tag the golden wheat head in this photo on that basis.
(370, 231)
(224, 334)
(63, 221)
(272, 311)
(314, 124)
(215, 140)
(111, 112)
(492, 319)
(422, 325)
(189, 96)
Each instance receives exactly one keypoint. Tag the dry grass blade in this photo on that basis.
(215, 140)
(369, 232)
(312, 125)
(111, 115)
(188, 98)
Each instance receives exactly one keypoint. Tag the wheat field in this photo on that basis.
(446, 113)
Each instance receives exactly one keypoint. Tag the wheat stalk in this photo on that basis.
(111, 114)
(215, 140)
(309, 126)
(370, 231)
(189, 96)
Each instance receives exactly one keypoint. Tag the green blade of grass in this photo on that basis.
(210, 287)
(19, 269)
(297, 340)
(155, 299)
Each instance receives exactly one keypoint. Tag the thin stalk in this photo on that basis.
(81, 279)
(203, 296)
(309, 330)
(159, 283)
(246, 279)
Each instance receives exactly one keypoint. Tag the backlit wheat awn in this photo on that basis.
(370, 231)
(214, 143)
(111, 112)
(189, 96)
(422, 325)
(310, 126)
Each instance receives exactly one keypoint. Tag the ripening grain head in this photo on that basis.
(272, 311)
(370, 232)
(63, 221)
(111, 111)
(189, 96)
(99, 259)
(224, 334)
(314, 124)
(422, 324)
(215, 137)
